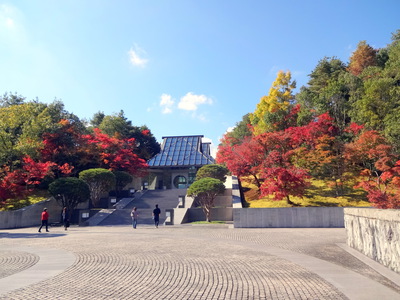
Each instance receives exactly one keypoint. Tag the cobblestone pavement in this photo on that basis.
(189, 262)
(12, 262)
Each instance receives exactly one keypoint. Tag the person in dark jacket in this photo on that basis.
(156, 215)
(64, 218)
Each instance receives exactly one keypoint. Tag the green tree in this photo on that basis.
(58, 113)
(147, 145)
(378, 101)
(97, 119)
(100, 181)
(330, 89)
(327, 69)
(116, 125)
(69, 192)
(11, 99)
(119, 126)
(205, 190)
(22, 126)
(21, 129)
(393, 62)
(241, 130)
(121, 180)
(214, 171)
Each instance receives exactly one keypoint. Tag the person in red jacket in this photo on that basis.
(45, 220)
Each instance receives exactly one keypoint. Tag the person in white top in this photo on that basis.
(134, 215)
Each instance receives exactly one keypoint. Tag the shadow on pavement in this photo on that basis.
(7, 235)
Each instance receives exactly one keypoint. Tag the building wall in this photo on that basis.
(375, 233)
(166, 176)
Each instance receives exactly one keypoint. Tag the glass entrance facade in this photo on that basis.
(180, 182)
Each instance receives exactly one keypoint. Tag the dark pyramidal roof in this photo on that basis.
(182, 151)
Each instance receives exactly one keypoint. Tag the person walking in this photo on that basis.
(64, 217)
(45, 220)
(156, 215)
(134, 215)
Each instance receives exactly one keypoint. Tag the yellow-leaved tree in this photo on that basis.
(272, 109)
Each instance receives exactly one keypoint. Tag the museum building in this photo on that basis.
(176, 165)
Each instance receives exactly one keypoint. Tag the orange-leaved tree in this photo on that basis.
(373, 157)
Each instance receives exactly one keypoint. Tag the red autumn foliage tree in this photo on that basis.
(370, 150)
(373, 157)
(242, 159)
(73, 151)
(282, 178)
(116, 154)
(20, 182)
(273, 158)
(34, 172)
(284, 182)
(66, 147)
(383, 190)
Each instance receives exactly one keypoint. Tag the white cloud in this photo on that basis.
(191, 101)
(136, 57)
(166, 103)
(7, 15)
(166, 110)
(11, 25)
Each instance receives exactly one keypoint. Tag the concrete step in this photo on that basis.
(123, 217)
(164, 198)
(145, 204)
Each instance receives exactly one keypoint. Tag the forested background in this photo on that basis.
(343, 127)
(41, 142)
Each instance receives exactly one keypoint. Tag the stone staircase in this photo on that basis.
(166, 199)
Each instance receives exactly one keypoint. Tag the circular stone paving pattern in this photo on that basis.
(172, 265)
(12, 262)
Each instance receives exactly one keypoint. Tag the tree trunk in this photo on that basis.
(207, 212)
(258, 183)
(290, 202)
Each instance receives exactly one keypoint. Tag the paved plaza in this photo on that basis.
(187, 262)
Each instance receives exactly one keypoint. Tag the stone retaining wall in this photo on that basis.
(217, 214)
(30, 215)
(375, 233)
(288, 217)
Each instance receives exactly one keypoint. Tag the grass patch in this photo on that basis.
(320, 193)
(35, 197)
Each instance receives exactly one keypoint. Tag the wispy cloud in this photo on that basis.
(11, 27)
(166, 103)
(7, 16)
(200, 117)
(191, 101)
(136, 56)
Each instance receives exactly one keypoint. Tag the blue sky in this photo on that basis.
(180, 67)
